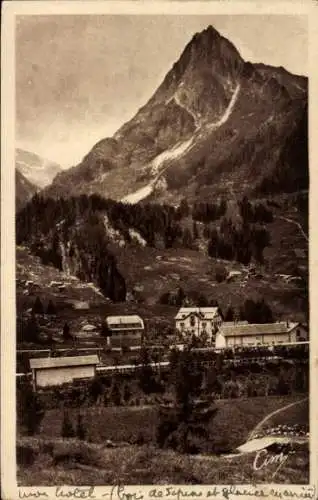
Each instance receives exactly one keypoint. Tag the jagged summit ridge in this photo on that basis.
(215, 125)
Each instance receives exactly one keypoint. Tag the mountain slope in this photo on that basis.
(24, 190)
(216, 125)
(35, 169)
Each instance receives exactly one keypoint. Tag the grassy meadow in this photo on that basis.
(233, 422)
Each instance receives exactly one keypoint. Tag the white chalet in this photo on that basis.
(199, 321)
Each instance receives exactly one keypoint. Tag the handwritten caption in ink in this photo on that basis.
(120, 492)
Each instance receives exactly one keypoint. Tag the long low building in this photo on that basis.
(61, 370)
(260, 334)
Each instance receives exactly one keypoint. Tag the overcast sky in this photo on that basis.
(79, 78)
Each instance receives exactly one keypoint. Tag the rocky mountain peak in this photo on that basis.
(215, 124)
(207, 55)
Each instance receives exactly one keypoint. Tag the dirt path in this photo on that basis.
(270, 415)
(291, 221)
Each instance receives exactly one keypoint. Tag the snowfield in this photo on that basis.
(179, 149)
(228, 111)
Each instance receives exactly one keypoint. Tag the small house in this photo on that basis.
(125, 331)
(238, 334)
(199, 322)
(61, 370)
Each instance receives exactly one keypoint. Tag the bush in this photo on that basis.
(30, 409)
(220, 274)
(26, 455)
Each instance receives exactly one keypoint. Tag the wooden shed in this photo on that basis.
(57, 371)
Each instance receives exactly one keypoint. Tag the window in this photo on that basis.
(182, 326)
(192, 321)
(204, 325)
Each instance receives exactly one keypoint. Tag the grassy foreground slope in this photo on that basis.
(93, 465)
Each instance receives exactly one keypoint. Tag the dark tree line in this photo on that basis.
(73, 230)
(257, 212)
(238, 243)
(256, 311)
(76, 229)
(208, 212)
(293, 155)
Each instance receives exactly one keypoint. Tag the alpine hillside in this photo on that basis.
(35, 169)
(216, 126)
(24, 190)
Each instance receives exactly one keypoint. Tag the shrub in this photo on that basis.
(30, 409)
(220, 274)
(26, 455)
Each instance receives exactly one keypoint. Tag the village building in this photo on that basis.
(125, 331)
(61, 370)
(201, 322)
(238, 334)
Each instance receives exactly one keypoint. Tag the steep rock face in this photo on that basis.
(35, 169)
(24, 190)
(216, 125)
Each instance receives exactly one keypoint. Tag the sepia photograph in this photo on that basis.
(162, 320)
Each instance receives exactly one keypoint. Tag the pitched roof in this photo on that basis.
(64, 361)
(233, 323)
(125, 321)
(206, 312)
(241, 330)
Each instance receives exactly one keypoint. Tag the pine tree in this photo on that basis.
(31, 330)
(67, 427)
(187, 240)
(66, 332)
(229, 315)
(37, 306)
(115, 394)
(195, 231)
(146, 374)
(127, 393)
(51, 309)
(188, 417)
(80, 428)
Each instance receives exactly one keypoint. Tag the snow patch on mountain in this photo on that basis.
(138, 195)
(178, 150)
(171, 154)
(136, 236)
(37, 170)
(177, 100)
(112, 233)
(227, 113)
